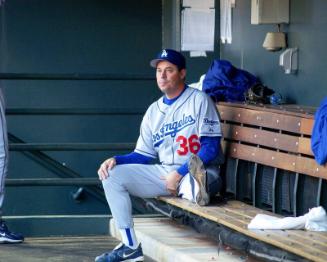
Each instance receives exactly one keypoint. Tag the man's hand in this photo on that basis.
(172, 180)
(103, 170)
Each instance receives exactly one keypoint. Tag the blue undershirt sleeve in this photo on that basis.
(208, 152)
(132, 158)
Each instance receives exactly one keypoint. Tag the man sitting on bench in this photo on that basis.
(183, 130)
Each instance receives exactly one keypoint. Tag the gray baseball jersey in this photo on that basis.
(172, 132)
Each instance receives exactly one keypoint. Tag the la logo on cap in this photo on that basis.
(164, 53)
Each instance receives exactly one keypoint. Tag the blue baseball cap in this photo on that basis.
(171, 56)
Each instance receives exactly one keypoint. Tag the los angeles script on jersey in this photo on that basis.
(172, 128)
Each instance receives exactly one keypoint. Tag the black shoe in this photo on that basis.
(122, 253)
(9, 237)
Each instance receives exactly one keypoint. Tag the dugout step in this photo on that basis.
(58, 225)
(165, 240)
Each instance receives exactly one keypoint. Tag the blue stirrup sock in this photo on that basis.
(129, 237)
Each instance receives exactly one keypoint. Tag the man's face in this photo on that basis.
(169, 79)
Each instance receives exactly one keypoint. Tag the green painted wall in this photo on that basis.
(307, 31)
(79, 36)
(83, 37)
(102, 37)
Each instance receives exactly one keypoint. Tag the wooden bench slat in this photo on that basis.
(286, 109)
(276, 238)
(247, 211)
(297, 164)
(307, 245)
(307, 126)
(266, 138)
(271, 120)
(216, 214)
(262, 156)
(305, 146)
(316, 237)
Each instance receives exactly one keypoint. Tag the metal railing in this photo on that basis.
(74, 111)
(74, 76)
(70, 146)
(78, 181)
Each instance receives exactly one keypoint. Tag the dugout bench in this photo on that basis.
(269, 169)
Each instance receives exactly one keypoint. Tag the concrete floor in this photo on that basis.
(58, 249)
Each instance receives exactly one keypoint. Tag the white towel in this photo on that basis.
(226, 21)
(317, 220)
(314, 220)
(198, 29)
(199, 84)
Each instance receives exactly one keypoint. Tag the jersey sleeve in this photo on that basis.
(144, 143)
(209, 123)
(132, 158)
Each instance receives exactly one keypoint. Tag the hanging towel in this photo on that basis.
(314, 220)
(319, 134)
(198, 29)
(226, 21)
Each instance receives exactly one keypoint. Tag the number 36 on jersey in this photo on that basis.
(188, 144)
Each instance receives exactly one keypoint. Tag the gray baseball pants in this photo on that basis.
(3, 149)
(137, 180)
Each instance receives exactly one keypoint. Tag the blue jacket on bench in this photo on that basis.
(319, 134)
